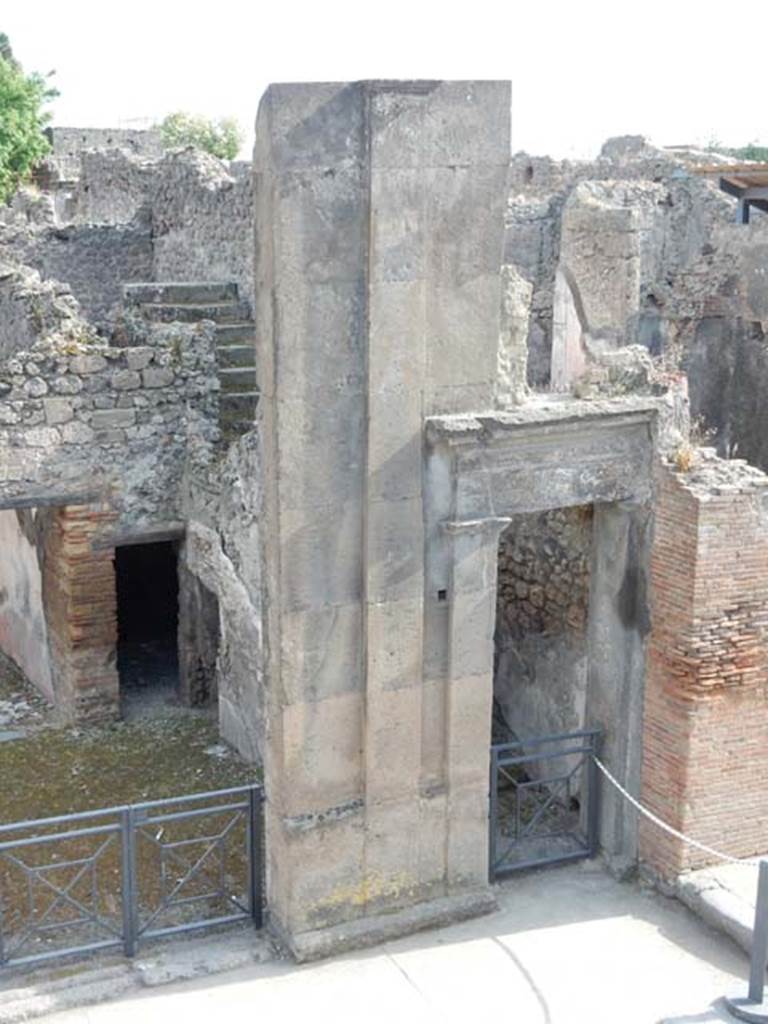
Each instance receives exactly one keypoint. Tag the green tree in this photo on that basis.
(22, 120)
(222, 137)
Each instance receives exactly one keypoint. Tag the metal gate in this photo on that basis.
(116, 876)
(544, 801)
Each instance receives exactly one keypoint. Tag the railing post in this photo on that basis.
(128, 842)
(593, 796)
(754, 1008)
(254, 854)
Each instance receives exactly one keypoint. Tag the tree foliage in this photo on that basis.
(22, 120)
(222, 137)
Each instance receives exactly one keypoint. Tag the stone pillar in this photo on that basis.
(705, 754)
(80, 601)
(618, 628)
(379, 240)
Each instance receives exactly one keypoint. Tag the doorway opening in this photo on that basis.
(539, 808)
(147, 582)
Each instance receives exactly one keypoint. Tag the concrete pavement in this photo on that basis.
(568, 945)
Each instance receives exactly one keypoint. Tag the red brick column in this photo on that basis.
(81, 611)
(705, 760)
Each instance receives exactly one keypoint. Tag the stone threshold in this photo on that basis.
(371, 931)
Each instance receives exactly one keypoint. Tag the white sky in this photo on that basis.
(678, 71)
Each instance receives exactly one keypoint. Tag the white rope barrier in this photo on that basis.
(748, 862)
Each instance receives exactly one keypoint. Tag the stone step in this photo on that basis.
(191, 312)
(237, 407)
(238, 379)
(236, 355)
(235, 333)
(196, 292)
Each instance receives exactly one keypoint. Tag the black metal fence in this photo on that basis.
(544, 801)
(116, 876)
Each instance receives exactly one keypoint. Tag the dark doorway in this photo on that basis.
(147, 625)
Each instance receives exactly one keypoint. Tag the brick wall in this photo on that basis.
(705, 761)
(81, 608)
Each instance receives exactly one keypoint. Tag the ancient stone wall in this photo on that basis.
(222, 511)
(202, 220)
(31, 308)
(79, 420)
(23, 627)
(705, 756)
(671, 216)
(94, 261)
(114, 187)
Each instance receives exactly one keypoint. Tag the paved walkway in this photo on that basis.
(569, 945)
(725, 897)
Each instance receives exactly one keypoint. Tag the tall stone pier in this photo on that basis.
(380, 209)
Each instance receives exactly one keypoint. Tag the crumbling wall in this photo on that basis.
(540, 665)
(670, 216)
(83, 420)
(31, 308)
(202, 220)
(218, 553)
(93, 260)
(705, 755)
(23, 627)
(73, 141)
(113, 188)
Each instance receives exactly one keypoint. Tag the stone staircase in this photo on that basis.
(191, 301)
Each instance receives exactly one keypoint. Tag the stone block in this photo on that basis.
(76, 433)
(394, 644)
(469, 701)
(125, 380)
(108, 419)
(397, 217)
(320, 556)
(392, 744)
(392, 856)
(57, 410)
(439, 123)
(138, 358)
(317, 125)
(324, 873)
(42, 437)
(467, 848)
(321, 447)
(85, 364)
(473, 620)
(321, 652)
(432, 841)
(433, 732)
(309, 201)
(322, 750)
(157, 377)
(395, 555)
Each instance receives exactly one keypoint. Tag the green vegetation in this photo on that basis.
(752, 151)
(22, 120)
(221, 138)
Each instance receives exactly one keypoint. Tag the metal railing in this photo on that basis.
(113, 877)
(543, 801)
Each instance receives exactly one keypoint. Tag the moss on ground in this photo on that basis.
(59, 771)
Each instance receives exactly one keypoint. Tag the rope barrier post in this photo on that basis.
(754, 1007)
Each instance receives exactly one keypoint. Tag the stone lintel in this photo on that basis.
(151, 535)
(541, 416)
